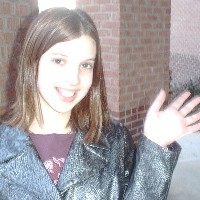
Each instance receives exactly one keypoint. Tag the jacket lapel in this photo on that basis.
(22, 168)
(83, 161)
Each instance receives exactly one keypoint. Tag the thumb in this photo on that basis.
(158, 102)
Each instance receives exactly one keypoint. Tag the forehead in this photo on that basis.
(83, 47)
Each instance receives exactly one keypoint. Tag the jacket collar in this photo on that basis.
(83, 161)
(21, 164)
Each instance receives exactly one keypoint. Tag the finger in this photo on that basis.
(177, 103)
(185, 110)
(158, 102)
(193, 128)
(192, 119)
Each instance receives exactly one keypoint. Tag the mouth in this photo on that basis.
(66, 95)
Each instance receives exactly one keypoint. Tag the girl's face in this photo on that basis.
(65, 74)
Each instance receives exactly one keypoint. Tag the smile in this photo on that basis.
(66, 95)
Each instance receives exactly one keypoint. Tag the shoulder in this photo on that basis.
(10, 133)
(118, 135)
(12, 141)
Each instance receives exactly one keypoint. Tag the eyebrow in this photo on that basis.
(64, 55)
(59, 54)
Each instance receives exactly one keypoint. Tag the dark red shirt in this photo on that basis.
(53, 150)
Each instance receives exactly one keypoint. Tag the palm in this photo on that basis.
(164, 127)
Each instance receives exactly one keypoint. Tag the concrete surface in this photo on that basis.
(186, 178)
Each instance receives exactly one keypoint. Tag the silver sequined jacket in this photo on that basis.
(111, 170)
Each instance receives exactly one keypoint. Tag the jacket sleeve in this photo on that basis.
(152, 171)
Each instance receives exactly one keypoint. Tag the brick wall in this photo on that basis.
(15, 16)
(144, 57)
(135, 43)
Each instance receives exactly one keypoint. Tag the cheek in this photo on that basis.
(42, 80)
(87, 80)
(46, 75)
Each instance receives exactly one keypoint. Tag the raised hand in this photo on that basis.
(165, 126)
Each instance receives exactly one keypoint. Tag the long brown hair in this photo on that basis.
(50, 27)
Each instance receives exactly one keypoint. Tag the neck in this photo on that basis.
(52, 123)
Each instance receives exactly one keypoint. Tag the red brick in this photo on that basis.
(9, 37)
(1, 24)
(2, 52)
(146, 26)
(4, 80)
(91, 9)
(165, 3)
(157, 10)
(13, 23)
(113, 106)
(128, 112)
(34, 6)
(102, 1)
(101, 16)
(115, 1)
(82, 3)
(141, 115)
(5, 8)
(132, 118)
(110, 7)
(22, 10)
(144, 100)
(4, 68)
(110, 24)
(137, 123)
(141, 108)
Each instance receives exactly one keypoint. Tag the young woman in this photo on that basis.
(57, 142)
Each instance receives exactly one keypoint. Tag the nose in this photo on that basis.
(71, 75)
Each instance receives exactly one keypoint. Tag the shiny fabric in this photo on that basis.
(110, 170)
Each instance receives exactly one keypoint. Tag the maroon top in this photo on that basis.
(53, 150)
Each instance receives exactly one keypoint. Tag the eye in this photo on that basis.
(88, 65)
(58, 61)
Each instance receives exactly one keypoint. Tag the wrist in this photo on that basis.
(158, 141)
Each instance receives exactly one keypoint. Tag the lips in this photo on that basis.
(66, 95)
